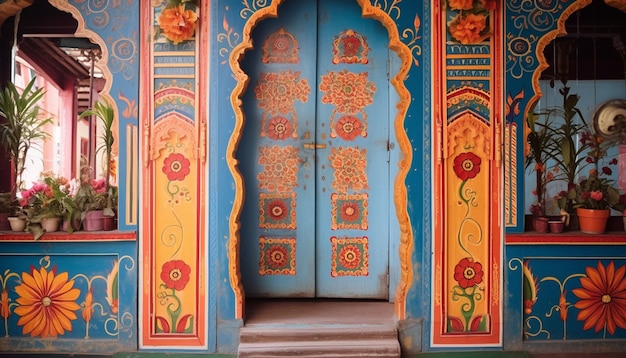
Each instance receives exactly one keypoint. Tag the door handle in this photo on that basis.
(314, 146)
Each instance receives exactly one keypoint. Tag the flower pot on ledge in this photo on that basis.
(50, 224)
(93, 220)
(556, 226)
(593, 221)
(17, 223)
(540, 224)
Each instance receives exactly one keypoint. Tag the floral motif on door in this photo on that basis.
(276, 93)
(350, 256)
(277, 211)
(349, 211)
(280, 47)
(280, 168)
(349, 92)
(349, 166)
(350, 47)
(277, 256)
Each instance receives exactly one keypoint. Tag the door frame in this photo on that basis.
(405, 238)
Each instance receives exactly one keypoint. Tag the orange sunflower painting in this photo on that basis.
(602, 297)
(47, 302)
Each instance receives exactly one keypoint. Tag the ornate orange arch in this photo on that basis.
(400, 192)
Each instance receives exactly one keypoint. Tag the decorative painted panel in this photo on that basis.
(567, 292)
(52, 301)
(467, 307)
(174, 269)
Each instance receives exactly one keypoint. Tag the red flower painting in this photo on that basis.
(468, 273)
(276, 256)
(467, 165)
(350, 211)
(277, 210)
(350, 257)
(176, 167)
(348, 127)
(279, 128)
(175, 274)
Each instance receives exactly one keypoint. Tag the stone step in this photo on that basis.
(377, 340)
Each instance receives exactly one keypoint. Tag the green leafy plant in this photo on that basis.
(542, 148)
(22, 127)
(570, 156)
(104, 111)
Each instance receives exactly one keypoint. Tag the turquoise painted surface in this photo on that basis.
(562, 317)
(68, 297)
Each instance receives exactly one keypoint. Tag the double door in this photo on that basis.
(315, 155)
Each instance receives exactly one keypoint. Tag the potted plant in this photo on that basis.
(22, 127)
(104, 111)
(43, 204)
(541, 146)
(569, 157)
(93, 200)
(593, 198)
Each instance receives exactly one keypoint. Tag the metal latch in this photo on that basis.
(314, 146)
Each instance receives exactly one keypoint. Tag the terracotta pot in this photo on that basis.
(540, 224)
(93, 221)
(17, 224)
(593, 221)
(50, 224)
(556, 226)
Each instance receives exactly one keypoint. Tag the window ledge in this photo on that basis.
(76, 236)
(567, 238)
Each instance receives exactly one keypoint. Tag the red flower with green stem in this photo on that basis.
(175, 275)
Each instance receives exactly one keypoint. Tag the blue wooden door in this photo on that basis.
(314, 154)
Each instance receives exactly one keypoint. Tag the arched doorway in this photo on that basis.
(264, 199)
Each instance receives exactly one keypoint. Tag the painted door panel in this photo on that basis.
(314, 154)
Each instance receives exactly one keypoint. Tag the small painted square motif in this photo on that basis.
(280, 47)
(350, 47)
(350, 256)
(349, 211)
(277, 211)
(277, 256)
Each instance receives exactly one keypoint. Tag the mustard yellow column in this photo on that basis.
(468, 134)
(173, 238)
